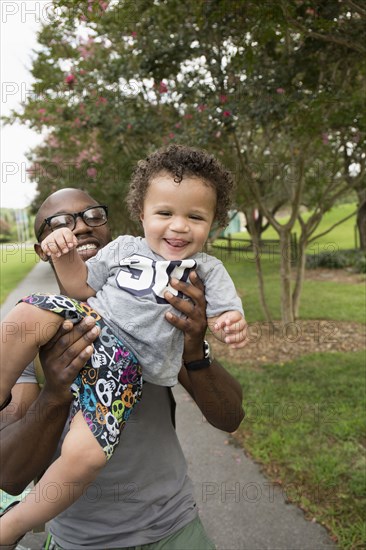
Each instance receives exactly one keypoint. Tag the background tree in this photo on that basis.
(274, 89)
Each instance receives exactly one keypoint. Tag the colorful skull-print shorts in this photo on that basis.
(110, 384)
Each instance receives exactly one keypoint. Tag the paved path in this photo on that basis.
(240, 509)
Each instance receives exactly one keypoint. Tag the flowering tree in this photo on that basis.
(274, 89)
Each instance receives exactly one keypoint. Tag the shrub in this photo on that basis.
(360, 263)
(339, 259)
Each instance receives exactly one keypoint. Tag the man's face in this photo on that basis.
(69, 201)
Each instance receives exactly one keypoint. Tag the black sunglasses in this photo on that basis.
(94, 216)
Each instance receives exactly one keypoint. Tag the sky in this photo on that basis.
(20, 21)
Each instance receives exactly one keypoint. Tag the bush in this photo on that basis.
(356, 259)
(5, 238)
(360, 263)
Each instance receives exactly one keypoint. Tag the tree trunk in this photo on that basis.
(361, 224)
(300, 272)
(287, 314)
(258, 264)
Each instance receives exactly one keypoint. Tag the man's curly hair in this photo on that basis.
(181, 161)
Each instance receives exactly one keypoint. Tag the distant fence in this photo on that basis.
(267, 247)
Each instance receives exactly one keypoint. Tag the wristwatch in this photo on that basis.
(201, 363)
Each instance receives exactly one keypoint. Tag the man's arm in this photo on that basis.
(216, 392)
(31, 425)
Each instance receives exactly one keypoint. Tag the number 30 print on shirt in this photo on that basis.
(141, 276)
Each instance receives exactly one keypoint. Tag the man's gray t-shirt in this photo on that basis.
(130, 281)
(143, 494)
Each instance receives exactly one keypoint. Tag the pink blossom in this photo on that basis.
(188, 116)
(280, 90)
(57, 159)
(33, 168)
(133, 34)
(171, 135)
(53, 141)
(178, 124)
(129, 126)
(102, 100)
(201, 108)
(226, 113)
(76, 123)
(163, 88)
(223, 98)
(70, 79)
(103, 5)
(41, 111)
(325, 138)
(92, 172)
(218, 134)
(83, 155)
(84, 51)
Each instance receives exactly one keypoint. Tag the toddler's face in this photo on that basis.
(177, 217)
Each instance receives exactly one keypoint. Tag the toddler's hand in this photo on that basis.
(59, 242)
(231, 328)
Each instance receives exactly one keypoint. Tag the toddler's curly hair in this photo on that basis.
(181, 161)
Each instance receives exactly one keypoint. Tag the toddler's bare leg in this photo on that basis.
(23, 331)
(62, 484)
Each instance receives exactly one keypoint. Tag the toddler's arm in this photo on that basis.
(230, 328)
(60, 246)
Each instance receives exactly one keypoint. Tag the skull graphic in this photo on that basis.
(104, 390)
(112, 426)
(117, 410)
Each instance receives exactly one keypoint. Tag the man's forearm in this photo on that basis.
(28, 444)
(217, 394)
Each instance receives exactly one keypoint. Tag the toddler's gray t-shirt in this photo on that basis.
(130, 281)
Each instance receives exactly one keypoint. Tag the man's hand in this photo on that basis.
(215, 391)
(231, 328)
(64, 356)
(194, 322)
(59, 242)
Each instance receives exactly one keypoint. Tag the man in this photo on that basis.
(143, 495)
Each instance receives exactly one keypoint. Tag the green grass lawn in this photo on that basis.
(305, 423)
(319, 300)
(16, 261)
(304, 419)
(341, 237)
(335, 301)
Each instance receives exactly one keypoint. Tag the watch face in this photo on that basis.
(206, 349)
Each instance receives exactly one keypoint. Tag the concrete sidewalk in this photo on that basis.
(239, 507)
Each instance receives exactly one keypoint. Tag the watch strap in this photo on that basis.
(198, 365)
(203, 363)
